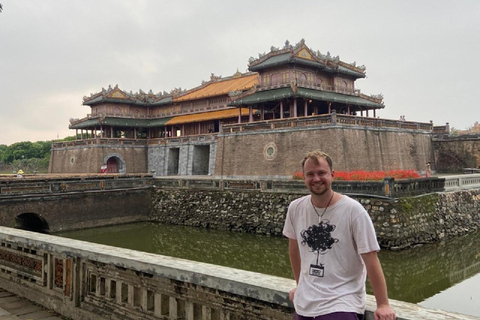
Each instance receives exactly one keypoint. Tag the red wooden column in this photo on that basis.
(250, 113)
(281, 109)
(240, 115)
(295, 107)
(305, 108)
(329, 107)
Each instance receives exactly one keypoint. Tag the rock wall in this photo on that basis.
(399, 223)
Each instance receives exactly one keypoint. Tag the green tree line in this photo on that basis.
(26, 155)
(25, 150)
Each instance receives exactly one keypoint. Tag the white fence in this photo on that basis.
(462, 182)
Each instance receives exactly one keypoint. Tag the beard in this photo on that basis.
(319, 192)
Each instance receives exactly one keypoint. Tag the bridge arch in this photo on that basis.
(115, 163)
(32, 222)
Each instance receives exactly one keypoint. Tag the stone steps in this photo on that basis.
(13, 307)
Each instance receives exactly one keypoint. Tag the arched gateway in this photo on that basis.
(115, 163)
(31, 222)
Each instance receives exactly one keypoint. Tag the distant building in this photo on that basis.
(257, 123)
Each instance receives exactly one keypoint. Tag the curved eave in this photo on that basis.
(284, 93)
(162, 102)
(346, 71)
(101, 100)
(270, 64)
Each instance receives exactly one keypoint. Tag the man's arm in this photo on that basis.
(379, 286)
(295, 263)
(294, 255)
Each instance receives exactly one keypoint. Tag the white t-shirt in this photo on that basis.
(332, 276)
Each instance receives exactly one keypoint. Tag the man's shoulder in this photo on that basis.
(352, 203)
(299, 201)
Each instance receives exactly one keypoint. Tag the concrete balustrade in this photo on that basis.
(462, 182)
(82, 280)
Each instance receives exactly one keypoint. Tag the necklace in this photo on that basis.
(324, 210)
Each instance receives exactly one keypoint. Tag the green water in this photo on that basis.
(412, 275)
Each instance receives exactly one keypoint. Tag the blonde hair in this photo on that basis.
(315, 155)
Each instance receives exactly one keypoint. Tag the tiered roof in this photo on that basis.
(218, 86)
(116, 95)
(302, 55)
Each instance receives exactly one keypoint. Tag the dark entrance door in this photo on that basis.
(112, 165)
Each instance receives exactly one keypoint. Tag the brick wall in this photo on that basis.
(89, 158)
(279, 152)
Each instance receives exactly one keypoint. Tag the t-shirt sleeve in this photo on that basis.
(364, 233)
(288, 228)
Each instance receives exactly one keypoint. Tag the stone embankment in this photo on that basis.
(400, 223)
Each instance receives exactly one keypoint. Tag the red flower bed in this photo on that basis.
(362, 175)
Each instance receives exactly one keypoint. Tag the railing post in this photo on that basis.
(334, 116)
(388, 186)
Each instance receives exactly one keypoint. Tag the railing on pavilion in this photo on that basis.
(326, 119)
(183, 139)
(99, 141)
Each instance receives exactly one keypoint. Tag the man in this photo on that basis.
(332, 247)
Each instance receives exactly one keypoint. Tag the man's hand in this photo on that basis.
(384, 312)
(291, 294)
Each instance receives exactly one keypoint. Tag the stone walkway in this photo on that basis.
(13, 307)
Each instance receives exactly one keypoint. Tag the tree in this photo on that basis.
(25, 150)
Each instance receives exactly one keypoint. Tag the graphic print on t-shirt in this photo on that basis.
(319, 239)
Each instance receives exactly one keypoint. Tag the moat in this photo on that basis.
(441, 276)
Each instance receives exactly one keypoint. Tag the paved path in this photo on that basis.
(13, 307)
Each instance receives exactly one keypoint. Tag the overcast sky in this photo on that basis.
(422, 55)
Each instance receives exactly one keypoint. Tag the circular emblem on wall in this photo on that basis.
(72, 160)
(270, 151)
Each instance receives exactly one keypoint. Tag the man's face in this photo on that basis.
(318, 177)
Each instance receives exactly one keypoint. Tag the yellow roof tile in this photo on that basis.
(221, 87)
(214, 115)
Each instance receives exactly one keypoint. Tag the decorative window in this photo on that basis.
(276, 78)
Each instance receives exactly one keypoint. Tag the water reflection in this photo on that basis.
(412, 275)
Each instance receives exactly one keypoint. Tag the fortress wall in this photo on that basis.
(89, 158)
(279, 152)
(453, 153)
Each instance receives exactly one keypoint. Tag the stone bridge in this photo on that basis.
(86, 281)
(55, 203)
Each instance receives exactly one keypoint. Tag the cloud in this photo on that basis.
(420, 55)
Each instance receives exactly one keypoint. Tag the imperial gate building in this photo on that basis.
(259, 123)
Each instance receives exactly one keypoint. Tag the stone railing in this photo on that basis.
(53, 184)
(99, 141)
(326, 120)
(462, 182)
(86, 281)
(183, 139)
(389, 187)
